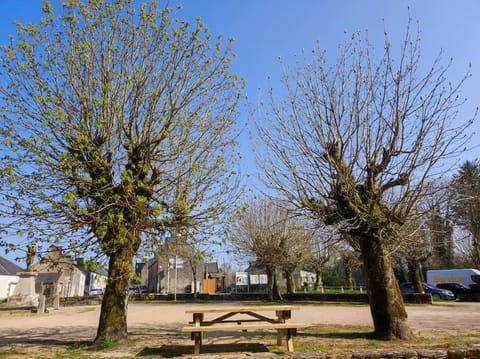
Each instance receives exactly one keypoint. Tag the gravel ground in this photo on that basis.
(155, 328)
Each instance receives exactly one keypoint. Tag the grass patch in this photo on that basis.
(304, 347)
(334, 339)
(78, 345)
(108, 344)
(332, 291)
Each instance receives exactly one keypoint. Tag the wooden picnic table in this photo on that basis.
(255, 316)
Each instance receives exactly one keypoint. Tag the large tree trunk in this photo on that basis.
(194, 287)
(113, 315)
(475, 247)
(386, 302)
(290, 281)
(349, 277)
(414, 274)
(272, 287)
(318, 280)
(270, 282)
(276, 290)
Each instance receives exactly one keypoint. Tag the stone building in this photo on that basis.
(58, 274)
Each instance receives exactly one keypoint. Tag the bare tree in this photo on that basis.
(265, 230)
(414, 248)
(296, 253)
(106, 109)
(355, 143)
(350, 261)
(323, 243)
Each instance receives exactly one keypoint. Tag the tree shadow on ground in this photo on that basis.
(48, 336)
(171, 351)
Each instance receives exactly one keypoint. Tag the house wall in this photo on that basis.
(154, 274)
(97, 281)
(161, 277)
(78, 283)
(7, 285)
(72, 280)
(183, 280)
(71, 283)
(302, 276)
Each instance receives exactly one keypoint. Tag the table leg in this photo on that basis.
(197, 320)
(280, 335)
(290, 334)
(282, 317)
(197, 337)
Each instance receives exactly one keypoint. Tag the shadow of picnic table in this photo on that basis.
(177, 350)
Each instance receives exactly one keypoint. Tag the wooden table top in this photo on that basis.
(241, 309)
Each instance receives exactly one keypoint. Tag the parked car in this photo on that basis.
(96, 291)
(142, 289)
(138, 289)
(438, 292)
(457, 289)
(407, 287)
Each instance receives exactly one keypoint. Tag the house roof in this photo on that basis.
(211, 267)
(256, 268)
(101, 270)
(48, 277)
(212, 270)
(97, 269)
(9, 268)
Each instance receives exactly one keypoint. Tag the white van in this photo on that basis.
(465, 276)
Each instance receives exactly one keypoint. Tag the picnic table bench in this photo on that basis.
(244, 318)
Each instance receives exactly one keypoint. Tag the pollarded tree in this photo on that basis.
(101, 104)
(356, 142)
(350, 261)
(323, 243)
(267, 231)
(414, 248)
(297, 251)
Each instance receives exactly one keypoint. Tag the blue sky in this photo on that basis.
(265, 30)
(268, 29)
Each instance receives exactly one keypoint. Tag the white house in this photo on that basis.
(95, 278)
(8, 277)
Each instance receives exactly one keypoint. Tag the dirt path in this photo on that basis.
(440, 316)
(160, 323)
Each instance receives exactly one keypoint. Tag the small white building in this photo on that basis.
(95, 278)
(8, 277)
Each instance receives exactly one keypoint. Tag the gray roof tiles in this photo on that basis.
(9, 268)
